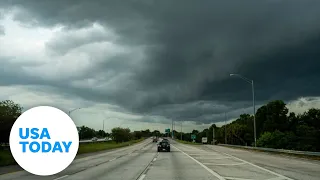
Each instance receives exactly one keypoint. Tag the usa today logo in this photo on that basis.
(44, 140)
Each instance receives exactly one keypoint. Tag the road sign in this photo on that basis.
(167, 130)
(193, 136)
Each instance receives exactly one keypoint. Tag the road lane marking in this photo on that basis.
(142, 177)
(274, 173)
(61, 177)
(235, 178)
(276, 178)
(204, 154)
(145, 171)
(234, 164)
(112, 159)
(212, 158)
(205, 167)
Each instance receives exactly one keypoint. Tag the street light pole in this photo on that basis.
(73, 110)
(253, 103)
(181, 131)
(225, 128)
(213, 134)
(172, 130)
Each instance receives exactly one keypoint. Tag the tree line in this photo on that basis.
(10, 111)
(275, 128)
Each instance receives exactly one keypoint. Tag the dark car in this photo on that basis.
(164, 146)
(155, 139)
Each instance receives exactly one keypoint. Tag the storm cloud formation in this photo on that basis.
(173, 58)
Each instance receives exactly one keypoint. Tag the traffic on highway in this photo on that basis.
(183, 161)
(159, 90)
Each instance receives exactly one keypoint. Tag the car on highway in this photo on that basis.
(164, 146)
(164, 139)
(155, 139)
(94, 139)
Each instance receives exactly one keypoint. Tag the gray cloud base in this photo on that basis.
(190, 49)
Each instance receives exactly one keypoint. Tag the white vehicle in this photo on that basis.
(204, 140)
(94, 139)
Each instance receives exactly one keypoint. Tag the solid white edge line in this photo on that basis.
(276, 178)
(154, 159)
(234, 178)
(274, 173)
(142, 177)
(234, 164)
(205, 167)
(61, 177)
(112, 159)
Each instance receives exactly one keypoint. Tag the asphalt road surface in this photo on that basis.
(184, 162)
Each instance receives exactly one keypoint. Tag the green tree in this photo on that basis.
(121, 134)
(101, 134)
(86, 132)
(137, 134)
(9, 112)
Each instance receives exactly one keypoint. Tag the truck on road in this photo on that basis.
(204, 140)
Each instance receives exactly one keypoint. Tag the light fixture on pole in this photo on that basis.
(73, 110)
(253, 103)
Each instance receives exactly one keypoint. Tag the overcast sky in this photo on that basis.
(142, 63)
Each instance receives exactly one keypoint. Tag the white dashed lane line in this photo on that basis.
(242, 162)
(201, 164)
(234, 164)
(61, 177)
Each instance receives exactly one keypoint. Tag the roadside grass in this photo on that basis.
(7, 159)
(301, 156)
(187, 142)
(101, 146)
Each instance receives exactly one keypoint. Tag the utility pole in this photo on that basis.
(212, 134)
(172, 130)
(181, 131)
(254, 115)
(225, 128)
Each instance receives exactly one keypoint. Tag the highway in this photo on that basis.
(185, 162)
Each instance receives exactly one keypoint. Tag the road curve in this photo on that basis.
(186, 162)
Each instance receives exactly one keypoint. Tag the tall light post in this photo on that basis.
(253, 103)
(225, 128)
(181, 131)
(172, 130)
(69, 112)
(73, 110)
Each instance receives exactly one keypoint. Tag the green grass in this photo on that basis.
(279, 153)
(187, 142)
(7, 159)
(101, 146)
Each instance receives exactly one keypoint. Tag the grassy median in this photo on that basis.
(7, 159)
(187, 142)
(101, 146)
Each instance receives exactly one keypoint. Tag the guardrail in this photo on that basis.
(308, 153)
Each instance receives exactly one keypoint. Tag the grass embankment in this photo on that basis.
(101, 146)
(279, 153)
(187, 142)
(7, 159)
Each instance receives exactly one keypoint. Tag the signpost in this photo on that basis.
(167, 131)
(193, 137)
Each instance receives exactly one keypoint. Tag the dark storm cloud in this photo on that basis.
(192, 46)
